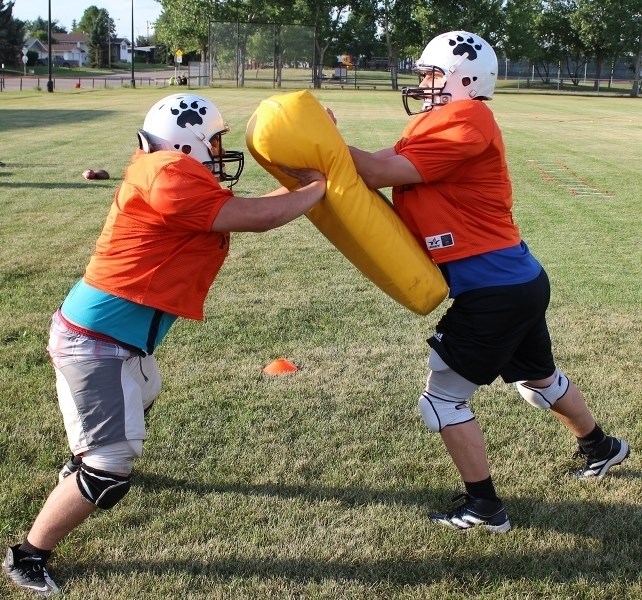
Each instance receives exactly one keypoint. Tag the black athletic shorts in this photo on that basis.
(498, 331)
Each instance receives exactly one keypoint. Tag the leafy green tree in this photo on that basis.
(99, 36)
(86, 23)
(632, 35)
(599, 24)
(143, 40)
(11, 35)
(248, 11)
(39, 29)
(32, 58)
(360, 37)
(184, 26)
(328, 19)
(400, 21)
(550, 34)
(521, 29)
(99, 28)
(555, 47)
(483, 17)
(390, 28)
(188, 27)
(296, 45)
(408, 25)
(556, 43)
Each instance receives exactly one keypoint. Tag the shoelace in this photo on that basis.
(461, 501)
(580, 453)
(463, 496)
(31, 567)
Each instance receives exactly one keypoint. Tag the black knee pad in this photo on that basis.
(101, 488)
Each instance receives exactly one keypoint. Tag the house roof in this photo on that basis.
(35, 44)
(66, 48)
(70, 38)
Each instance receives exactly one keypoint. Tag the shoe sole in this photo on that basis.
(441, 520)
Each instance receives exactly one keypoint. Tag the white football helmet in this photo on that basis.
(193, 125)
(463, 66)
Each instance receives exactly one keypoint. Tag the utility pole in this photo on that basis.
(50, 61)
(133, 81)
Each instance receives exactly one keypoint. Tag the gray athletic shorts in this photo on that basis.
(103, 388)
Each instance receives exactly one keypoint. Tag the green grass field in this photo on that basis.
(317, 484)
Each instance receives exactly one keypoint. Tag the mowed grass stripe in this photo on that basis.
(317, 484)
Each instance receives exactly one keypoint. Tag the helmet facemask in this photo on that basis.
(430, 95)
(221, 158)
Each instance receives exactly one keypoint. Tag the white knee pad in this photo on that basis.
(444, 402)
(114, 458)
(544, 397)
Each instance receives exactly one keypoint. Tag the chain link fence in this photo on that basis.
(261, 55)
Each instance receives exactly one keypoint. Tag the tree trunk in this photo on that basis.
(598, 71)
(635, 90)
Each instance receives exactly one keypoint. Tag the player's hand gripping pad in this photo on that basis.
(294, 130)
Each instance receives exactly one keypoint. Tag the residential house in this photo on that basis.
(34, 45)
(67, 49)
(120, 50)
(123, 51)
(71, 49)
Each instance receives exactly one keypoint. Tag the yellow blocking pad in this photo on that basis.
(294, 130)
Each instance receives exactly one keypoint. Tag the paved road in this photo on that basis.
(143, 79)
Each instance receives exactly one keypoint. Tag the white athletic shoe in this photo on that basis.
(29, 572)
(598, 467)
(475, 512)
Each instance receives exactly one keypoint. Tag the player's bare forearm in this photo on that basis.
(271, 210)
(384, 168)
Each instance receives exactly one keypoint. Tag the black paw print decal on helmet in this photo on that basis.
(465, 45)
(188, 114)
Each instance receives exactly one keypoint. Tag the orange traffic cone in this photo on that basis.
(280, 366)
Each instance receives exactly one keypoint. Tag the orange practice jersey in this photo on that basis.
(157, 247)
(463, 207)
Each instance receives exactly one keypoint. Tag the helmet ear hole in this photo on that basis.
(466, 81)
(144, 143)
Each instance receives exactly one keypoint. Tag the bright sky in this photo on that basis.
(65, 11)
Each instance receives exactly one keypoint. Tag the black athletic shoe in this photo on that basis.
(71, 466)
(475, 512)
(598, 466)
(29, 572)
